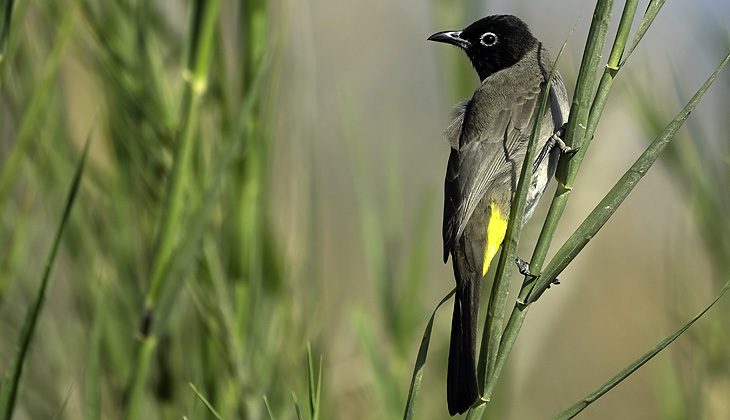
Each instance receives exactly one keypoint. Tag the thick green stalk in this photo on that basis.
(584, 92)
(605, 209)
(203, 19)
(520, 311)
(579, 116)
(171, 218)
(594, 113)
(497, 306)
(577, 123)
(246, 226)
(136, 385)
(196, 77)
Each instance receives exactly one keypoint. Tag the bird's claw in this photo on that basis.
(524, 268)
(558, 139)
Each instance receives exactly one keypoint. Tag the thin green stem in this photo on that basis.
(9, 389)
(5, 18)
(37, 106)
(651, 12)
(417, 377)
(622, 34)
(579, 406)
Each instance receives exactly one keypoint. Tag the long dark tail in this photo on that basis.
(461, 384)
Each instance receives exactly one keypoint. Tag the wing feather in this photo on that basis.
(495, 128)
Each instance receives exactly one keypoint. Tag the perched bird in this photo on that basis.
(488, 137)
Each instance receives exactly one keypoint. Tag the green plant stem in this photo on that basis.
(605, 209)
(37, 106)
(579, 115)
(205, 401)
(477, 411)
(417, 377)
(5, 18)
(497, 306)
(622, 34)
(591, 123)
(9, 389)
(93, 376)
(196, 76)
(579, 406)
(594, 114)
(576, 131)
(202, 24)
(651, 11)
(173, 205)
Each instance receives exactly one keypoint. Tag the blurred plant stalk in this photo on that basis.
(202, 23)
(172, 231)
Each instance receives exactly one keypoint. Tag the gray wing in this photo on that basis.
(496, 128)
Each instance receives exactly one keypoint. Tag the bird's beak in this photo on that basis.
(450, 37)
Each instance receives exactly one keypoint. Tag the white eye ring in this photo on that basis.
(488, 39)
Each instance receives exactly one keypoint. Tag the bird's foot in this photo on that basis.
(557, 140)
(524, 268)
(564, 147)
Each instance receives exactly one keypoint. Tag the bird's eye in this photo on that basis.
(488, 39)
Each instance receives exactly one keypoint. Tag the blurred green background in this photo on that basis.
(311, 212)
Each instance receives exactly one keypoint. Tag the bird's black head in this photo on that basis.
(491, 43)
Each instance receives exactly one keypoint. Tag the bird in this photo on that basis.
(488, 138)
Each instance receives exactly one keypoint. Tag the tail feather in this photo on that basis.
(462, 388)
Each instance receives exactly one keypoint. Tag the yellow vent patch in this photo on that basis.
(496, 229)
